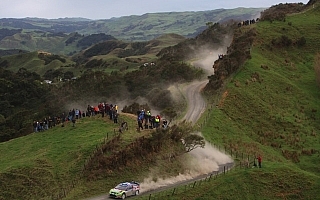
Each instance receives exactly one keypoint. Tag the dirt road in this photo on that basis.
(196, 103)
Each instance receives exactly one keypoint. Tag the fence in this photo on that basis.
(242, 161)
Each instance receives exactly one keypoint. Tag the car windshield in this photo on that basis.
(121, 187)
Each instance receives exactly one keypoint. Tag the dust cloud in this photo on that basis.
(207, 56)
(203, 161)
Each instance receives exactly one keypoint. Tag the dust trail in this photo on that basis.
(204, 161)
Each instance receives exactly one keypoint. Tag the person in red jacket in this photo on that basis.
(259, 161)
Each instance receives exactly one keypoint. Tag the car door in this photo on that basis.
(129, 190)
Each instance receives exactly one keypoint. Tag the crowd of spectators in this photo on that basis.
(104, 109)
(145, 120)
(148, 121)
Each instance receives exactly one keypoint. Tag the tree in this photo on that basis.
(68, 75)
(192, 142)
(209, 24)
(317, 68)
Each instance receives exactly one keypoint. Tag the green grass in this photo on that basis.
(50, 164)
(271, 182)
(61, 147)
(33, 63)
(54, 158)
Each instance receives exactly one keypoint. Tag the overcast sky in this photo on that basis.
(105, 9)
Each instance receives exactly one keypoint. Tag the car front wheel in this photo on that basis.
(123, 196)
(136, 193)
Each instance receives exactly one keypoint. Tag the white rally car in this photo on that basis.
(125, 189)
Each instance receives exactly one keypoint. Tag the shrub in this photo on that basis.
(301, 41)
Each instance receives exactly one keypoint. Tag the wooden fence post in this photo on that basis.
(194, 184)
(224, 169)
(149, 196)
(173, 191)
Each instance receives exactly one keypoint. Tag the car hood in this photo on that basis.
(115, 190)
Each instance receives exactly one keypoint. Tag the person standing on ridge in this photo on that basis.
(259, 161)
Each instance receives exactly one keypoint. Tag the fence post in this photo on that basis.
(149, 196)
(173, 191)
(194, 184)
(210, 177)
(224, 169)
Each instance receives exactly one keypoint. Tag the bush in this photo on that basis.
(301, 41)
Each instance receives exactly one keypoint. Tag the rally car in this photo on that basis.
(125, 189)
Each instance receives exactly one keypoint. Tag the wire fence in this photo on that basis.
(242, 161)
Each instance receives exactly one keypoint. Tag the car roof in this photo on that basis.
(125, 184)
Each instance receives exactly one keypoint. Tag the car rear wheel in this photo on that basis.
(136, 193)
(123, 196)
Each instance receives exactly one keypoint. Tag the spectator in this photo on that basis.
(259, 161)
(115, 117)
(35, 126)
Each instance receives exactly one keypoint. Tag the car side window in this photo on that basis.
(129, 187)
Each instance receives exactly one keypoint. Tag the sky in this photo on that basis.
(106, 9)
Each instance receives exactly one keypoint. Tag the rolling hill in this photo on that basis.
(63, 36)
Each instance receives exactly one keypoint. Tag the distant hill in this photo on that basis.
(55, 35)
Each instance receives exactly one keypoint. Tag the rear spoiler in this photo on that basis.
(135, 182)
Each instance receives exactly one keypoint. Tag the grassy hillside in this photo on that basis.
(125, 56)
(61, 161)
(32, 62)
(65, 161)
(270, 107)
(49, 160)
